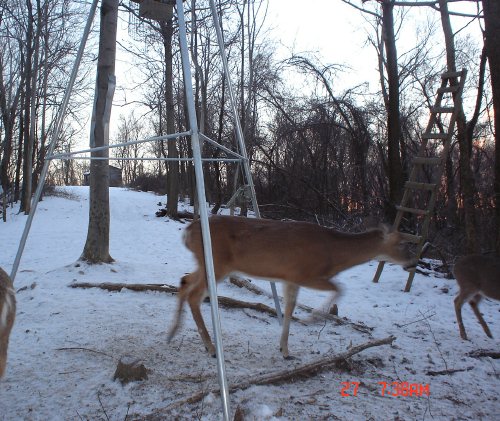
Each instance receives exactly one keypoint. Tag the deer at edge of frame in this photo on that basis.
(477, 276)
(7, 316)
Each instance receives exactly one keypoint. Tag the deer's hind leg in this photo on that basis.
(291, 292)
(192, 290)
(474, 303)
(186, 285)
(459, 300)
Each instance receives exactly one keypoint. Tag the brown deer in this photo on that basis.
(7, 316)
(477, 276)
(300, 254)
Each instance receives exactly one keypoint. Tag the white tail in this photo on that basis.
(7, 316)
(477, 276)
(297, 253)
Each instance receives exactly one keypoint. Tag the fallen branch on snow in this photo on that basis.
(245, 283)
(279, 377)
(449, 371)
(117, 287)
(225, 302)
(479, 353)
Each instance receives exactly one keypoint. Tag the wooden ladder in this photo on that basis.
(419, 197)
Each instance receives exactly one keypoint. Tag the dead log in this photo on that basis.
(479, 353)
(117, 287)
(225, 302)
(245, 283)
(332, 315)
(449, 371)
(310, 369)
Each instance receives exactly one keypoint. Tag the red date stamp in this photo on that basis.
(393, 389)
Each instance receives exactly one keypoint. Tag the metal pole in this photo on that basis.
(105, 158)
(239, 137)
(205, 229)
(55, 134)
(119, 145)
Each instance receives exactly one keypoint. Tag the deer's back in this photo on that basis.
(272, 249)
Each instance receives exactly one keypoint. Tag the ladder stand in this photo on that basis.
(419, 197)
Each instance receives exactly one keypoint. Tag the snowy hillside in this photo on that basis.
(66, 342)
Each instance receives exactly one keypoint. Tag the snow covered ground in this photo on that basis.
(66, 342)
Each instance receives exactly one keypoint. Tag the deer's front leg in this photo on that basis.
(291, 292)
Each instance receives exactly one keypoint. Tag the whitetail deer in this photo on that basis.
(7, 316)
(477, 276)
(296, 253)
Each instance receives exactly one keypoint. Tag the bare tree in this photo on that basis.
(167, 30)
(37, 43)
(491, 10)
(466, 178)
(388, 69)
(395, 168)
(96, 248)
(130, 129)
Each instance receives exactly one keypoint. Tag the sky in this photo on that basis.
(338, 33)
(330, 30)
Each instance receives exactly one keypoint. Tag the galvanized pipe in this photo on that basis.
(205, 228)
(119, 145)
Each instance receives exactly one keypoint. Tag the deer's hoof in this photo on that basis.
(211, 351)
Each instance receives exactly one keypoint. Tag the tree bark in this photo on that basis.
(96, 248)
(30, 72)
(491, 11)
(167, 31)
(395, 168)
(9, 111)
(466, 176)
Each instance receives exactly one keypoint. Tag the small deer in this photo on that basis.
(300, 254)
(7, 316)
(477, 276)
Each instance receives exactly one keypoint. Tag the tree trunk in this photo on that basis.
(30, 72)
(395, 168)
(466, 176)
(45, 70)
(491, 11)
(9, 112)
(173, 166)
(96, 248)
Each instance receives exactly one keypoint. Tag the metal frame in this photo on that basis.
(197, 160)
